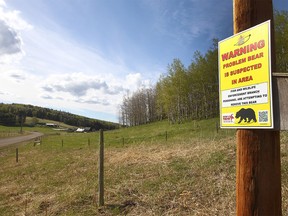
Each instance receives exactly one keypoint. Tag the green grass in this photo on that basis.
(156, 132)
(6, 132)
(190, 173)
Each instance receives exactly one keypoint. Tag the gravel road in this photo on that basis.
(14, 140)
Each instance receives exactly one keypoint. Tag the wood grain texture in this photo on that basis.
(258, 174)
(280, 98)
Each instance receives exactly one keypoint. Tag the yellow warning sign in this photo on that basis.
(245, 79)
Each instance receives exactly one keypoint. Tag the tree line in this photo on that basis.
(15, 115)
(180, 95)
(183, 94)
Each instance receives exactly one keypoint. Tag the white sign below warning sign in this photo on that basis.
(254, 94)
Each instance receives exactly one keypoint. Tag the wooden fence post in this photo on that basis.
(166, 136)
(16, 155)
(258, 179)
(101, 169)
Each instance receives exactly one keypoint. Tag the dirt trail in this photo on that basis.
(14, 140)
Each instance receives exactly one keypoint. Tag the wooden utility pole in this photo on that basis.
(258, 190)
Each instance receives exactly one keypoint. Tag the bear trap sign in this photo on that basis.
(245, 79)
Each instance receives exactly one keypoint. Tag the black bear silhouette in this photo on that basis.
(246, 114)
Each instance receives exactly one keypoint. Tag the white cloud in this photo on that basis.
(10, 42)
(133, 81)
(2, 3)
(79, 85)
(89, 89)
(46, 67)
(11, 25)
(13, 18)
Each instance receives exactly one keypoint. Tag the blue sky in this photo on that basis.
(82, 56)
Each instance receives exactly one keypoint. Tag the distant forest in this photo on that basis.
(14, 114)
(184, 94)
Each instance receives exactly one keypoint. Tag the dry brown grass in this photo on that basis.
(195, 177)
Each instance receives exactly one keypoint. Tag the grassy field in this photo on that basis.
(156, 169)
(6, 132)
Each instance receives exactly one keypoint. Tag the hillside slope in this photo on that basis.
(13, 114)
